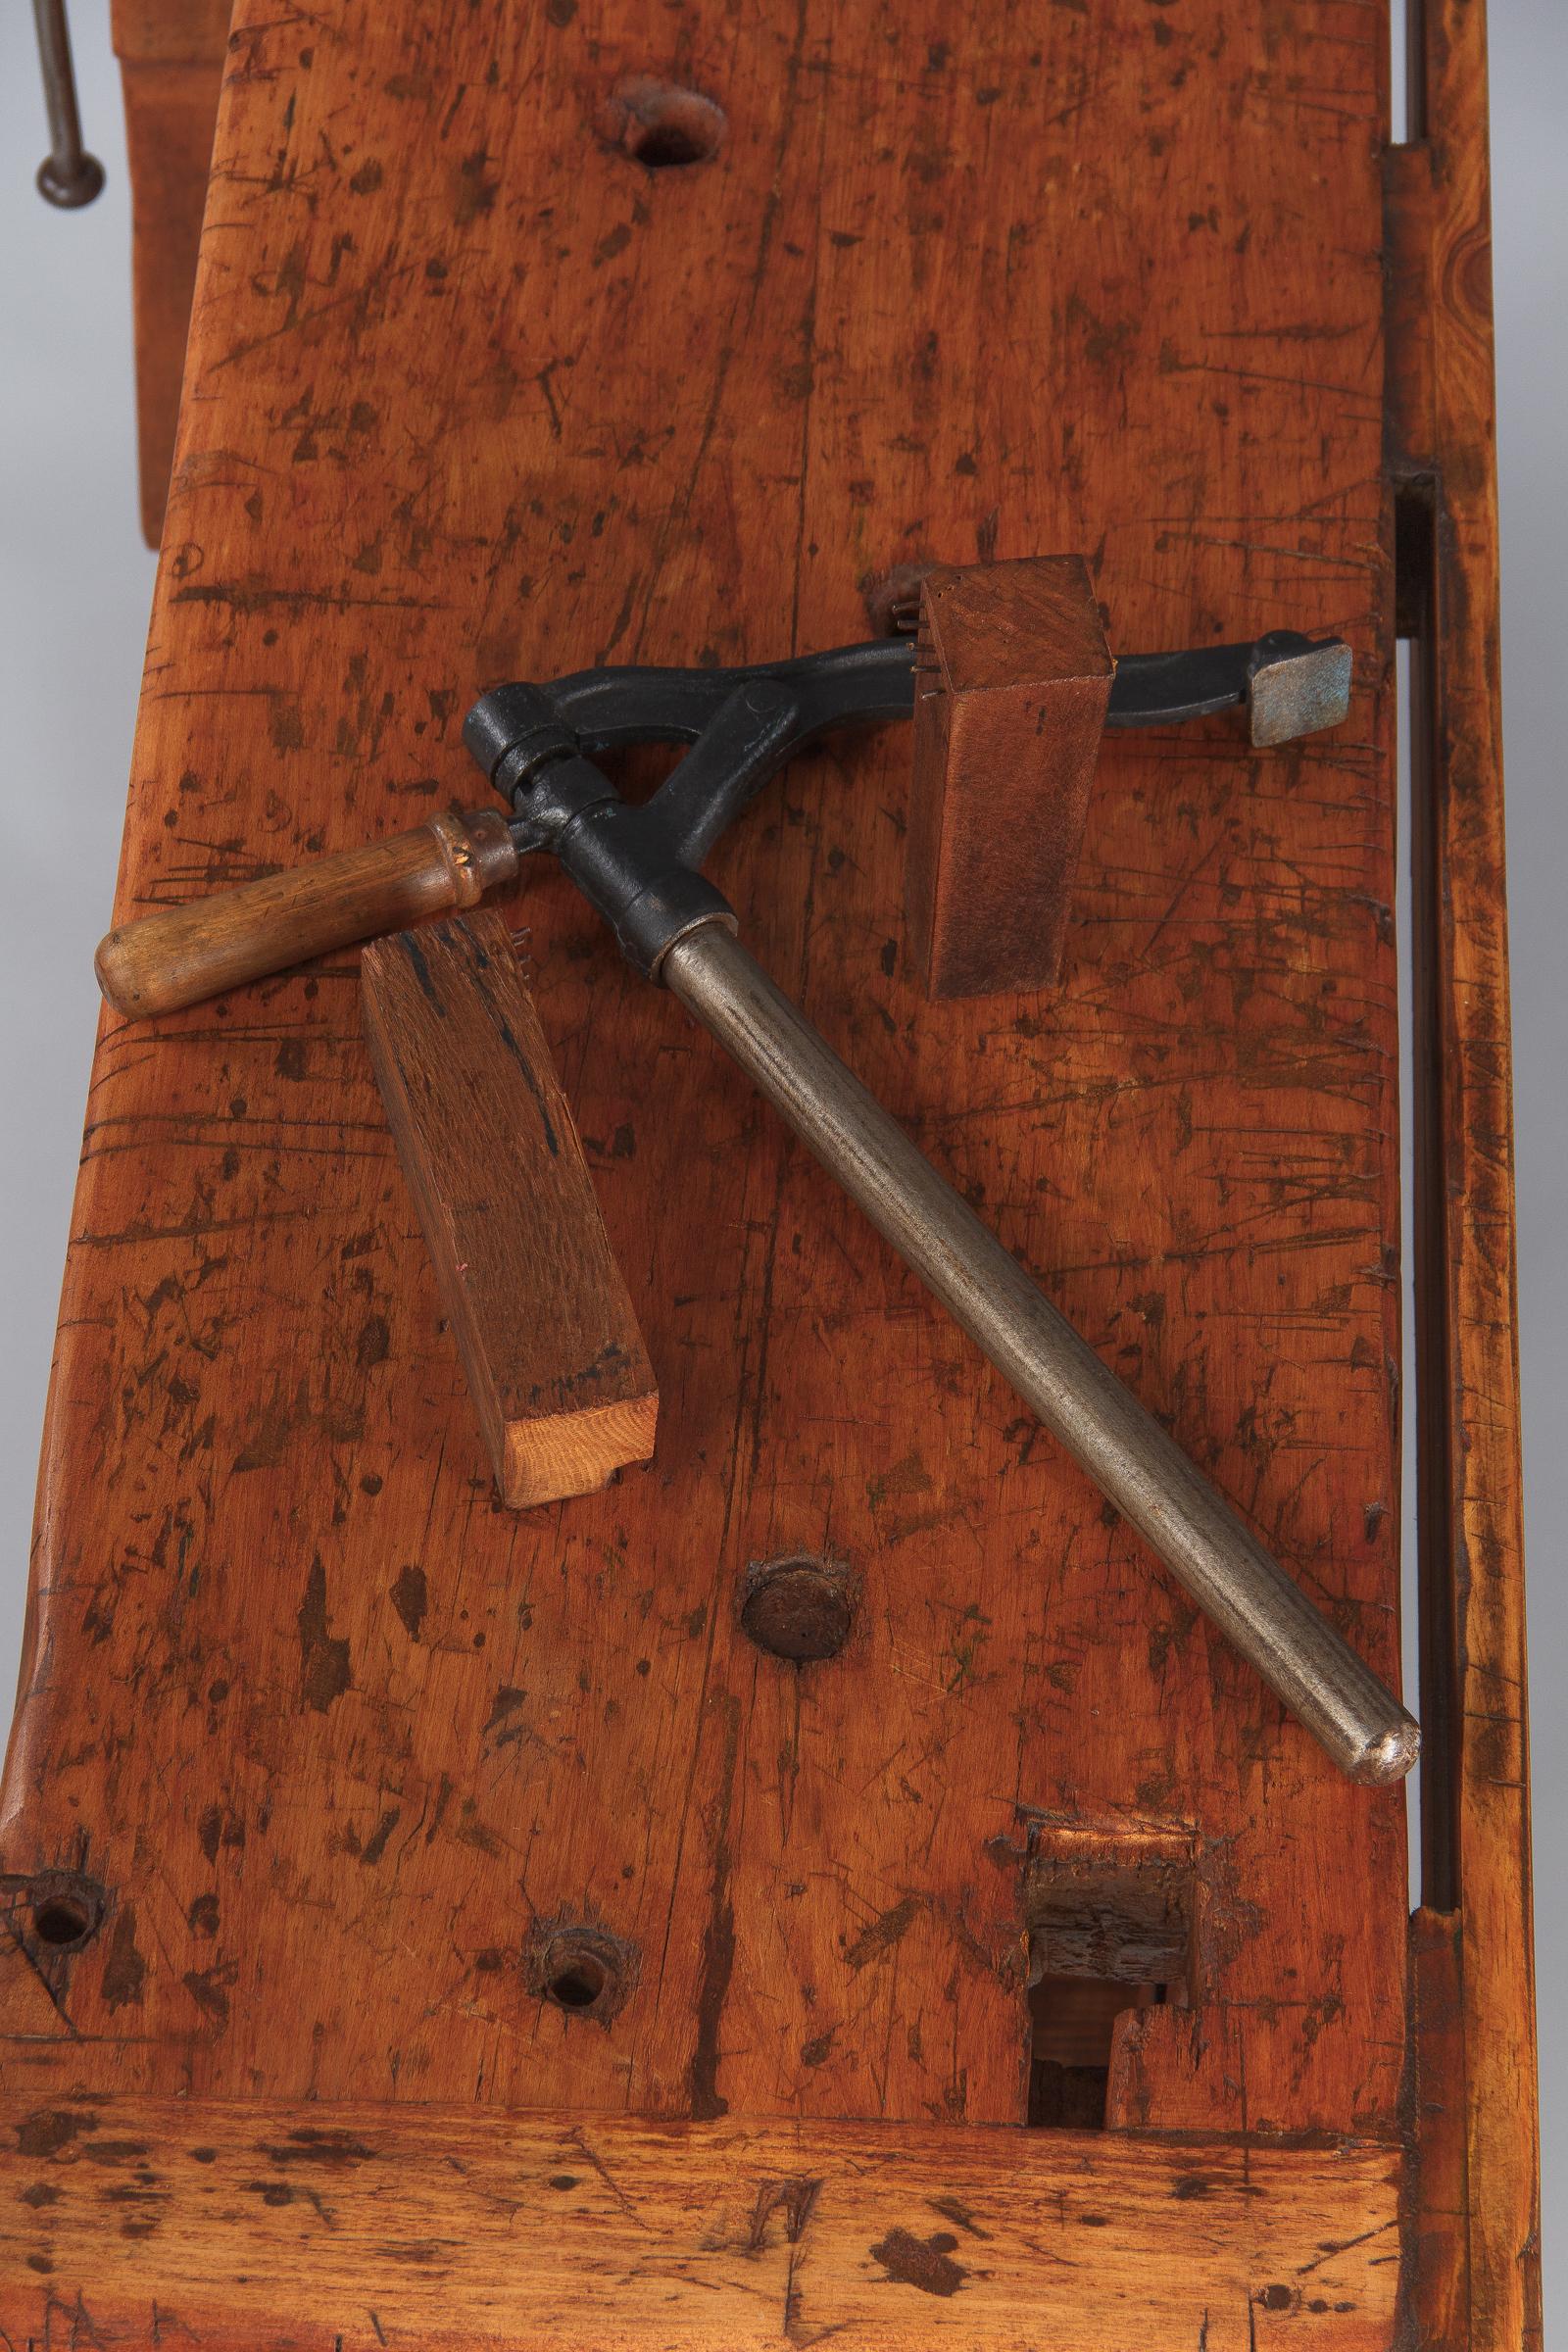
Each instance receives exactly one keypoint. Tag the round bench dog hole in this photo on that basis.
(662, 125)
(61, 1923)
(800, 1608)
(65, 1912)
(580, 1969)
(578, 1984)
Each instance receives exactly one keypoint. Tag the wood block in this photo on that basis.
(1013, 683)
(549, 1341)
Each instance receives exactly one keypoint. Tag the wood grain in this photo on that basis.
(372, 2226)
(304, 1621)
(1012, 688)
(1437, 2222)
(473, 393)
(555, 1362)
(1479, 2278)
(171, 69)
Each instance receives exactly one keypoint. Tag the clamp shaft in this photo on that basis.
(1133, 1461)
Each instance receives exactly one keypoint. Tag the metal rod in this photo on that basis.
(68, 176)
(988, 1293)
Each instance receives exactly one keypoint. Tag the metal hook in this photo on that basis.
(68, 176)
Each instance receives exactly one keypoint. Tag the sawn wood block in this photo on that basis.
(1014, 677)
(548, 1336)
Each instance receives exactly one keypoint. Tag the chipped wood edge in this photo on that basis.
(562, 1455)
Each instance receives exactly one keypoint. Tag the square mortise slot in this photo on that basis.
(1105, 1935)
(1072, 2023)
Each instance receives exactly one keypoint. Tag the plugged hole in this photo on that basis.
(799, 1608)
(60, 1922)
(662, 125)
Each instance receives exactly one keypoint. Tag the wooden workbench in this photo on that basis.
(329, 1757)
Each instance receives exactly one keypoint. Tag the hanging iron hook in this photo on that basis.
(68, 176)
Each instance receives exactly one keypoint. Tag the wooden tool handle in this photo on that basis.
(176, 958)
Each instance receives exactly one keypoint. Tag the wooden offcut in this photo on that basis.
(555, 1362)
(1012, 680)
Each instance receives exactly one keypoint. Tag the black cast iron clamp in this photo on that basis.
(638, 864)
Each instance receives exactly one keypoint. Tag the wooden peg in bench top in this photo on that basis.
(546, 1330)
(1013, 683)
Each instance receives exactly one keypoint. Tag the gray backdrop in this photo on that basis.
(74, 583)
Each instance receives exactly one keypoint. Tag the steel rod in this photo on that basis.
(1123, 1449)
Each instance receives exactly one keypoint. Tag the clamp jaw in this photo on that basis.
(640, 865)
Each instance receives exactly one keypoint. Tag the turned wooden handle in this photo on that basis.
(164, 961)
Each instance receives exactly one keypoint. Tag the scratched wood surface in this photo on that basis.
(170, 56)
(472, 393)
(375, 2225)
(332, 1741)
